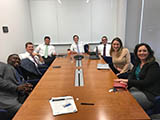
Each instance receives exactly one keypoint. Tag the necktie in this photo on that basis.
(104, 50)
(46, 52)
(78, 51)
(34, 59)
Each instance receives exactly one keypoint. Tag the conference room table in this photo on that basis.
(57, 82)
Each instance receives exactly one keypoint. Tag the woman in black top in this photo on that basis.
(144, 79)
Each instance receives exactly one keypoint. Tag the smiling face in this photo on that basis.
(14, 60)
(142, 53)
(30, 48)
(116, 45)
(47, 41)
(76, 39)
(104, 40)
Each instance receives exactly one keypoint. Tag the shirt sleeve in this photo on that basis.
(22, 56)
(4, 83)
(72, 47)
(38, 60)
(53, 50)
(37, 49)
(126, 54)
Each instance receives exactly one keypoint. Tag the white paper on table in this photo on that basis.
(103, 66)
(62, 105)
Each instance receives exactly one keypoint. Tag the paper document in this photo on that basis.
(62, 105)
(102, 66)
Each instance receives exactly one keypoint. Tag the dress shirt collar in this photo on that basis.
(27, 53)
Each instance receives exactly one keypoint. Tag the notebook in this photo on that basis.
(102, 66)
(62, 105)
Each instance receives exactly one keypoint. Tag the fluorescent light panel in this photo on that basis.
(59, 1)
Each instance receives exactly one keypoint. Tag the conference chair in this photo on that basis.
(3, 114)
(132, 58)
(86, 48)
(107, 59)
(156, 108)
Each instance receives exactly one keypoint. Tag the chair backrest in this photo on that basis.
(107, 59)
(3, 114)
(156, 108)
(132, 58)
(86, 48)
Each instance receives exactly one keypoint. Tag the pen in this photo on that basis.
(58, 99)
(67, 105)
(87, 103)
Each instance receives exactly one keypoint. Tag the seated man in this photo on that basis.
(104, 49)
(21, 72)
(13, 90)
(36, 58)
(77, 47)
(47, 51)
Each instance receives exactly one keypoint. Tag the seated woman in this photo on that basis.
(121, 62)
(144, 79)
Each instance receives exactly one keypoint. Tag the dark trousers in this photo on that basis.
(42, 68)
(107, 59)
(122, 76)
(48, 61)
(141, 98)
(33, 82)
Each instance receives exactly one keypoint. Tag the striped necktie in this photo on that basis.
(34, 59)
(104, 50)
(78, 51)
(46, 52)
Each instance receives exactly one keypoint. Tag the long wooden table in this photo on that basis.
(58, 82)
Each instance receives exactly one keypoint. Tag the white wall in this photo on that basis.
(121, 19)
(14, 14)
(89, 20)
(151, 25)
(133, 23)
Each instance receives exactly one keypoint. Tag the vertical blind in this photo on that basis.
(61, 19)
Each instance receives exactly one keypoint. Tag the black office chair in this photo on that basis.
(107, 59)
(156, 108)
(132, 58)
(86, 48)
(4, 114)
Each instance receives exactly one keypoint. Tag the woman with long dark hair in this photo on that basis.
(144, 80)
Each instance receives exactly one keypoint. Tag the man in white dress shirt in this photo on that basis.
(46, 50)
(104, 48)
(77, 47)
(36, 58)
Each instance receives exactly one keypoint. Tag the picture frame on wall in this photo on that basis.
(5, 29)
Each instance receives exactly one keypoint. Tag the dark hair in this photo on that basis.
(104, 37)
(28, 43)
(75, 36)
(121, 45)
(9, 57)
(47, 37)
(150, 57)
